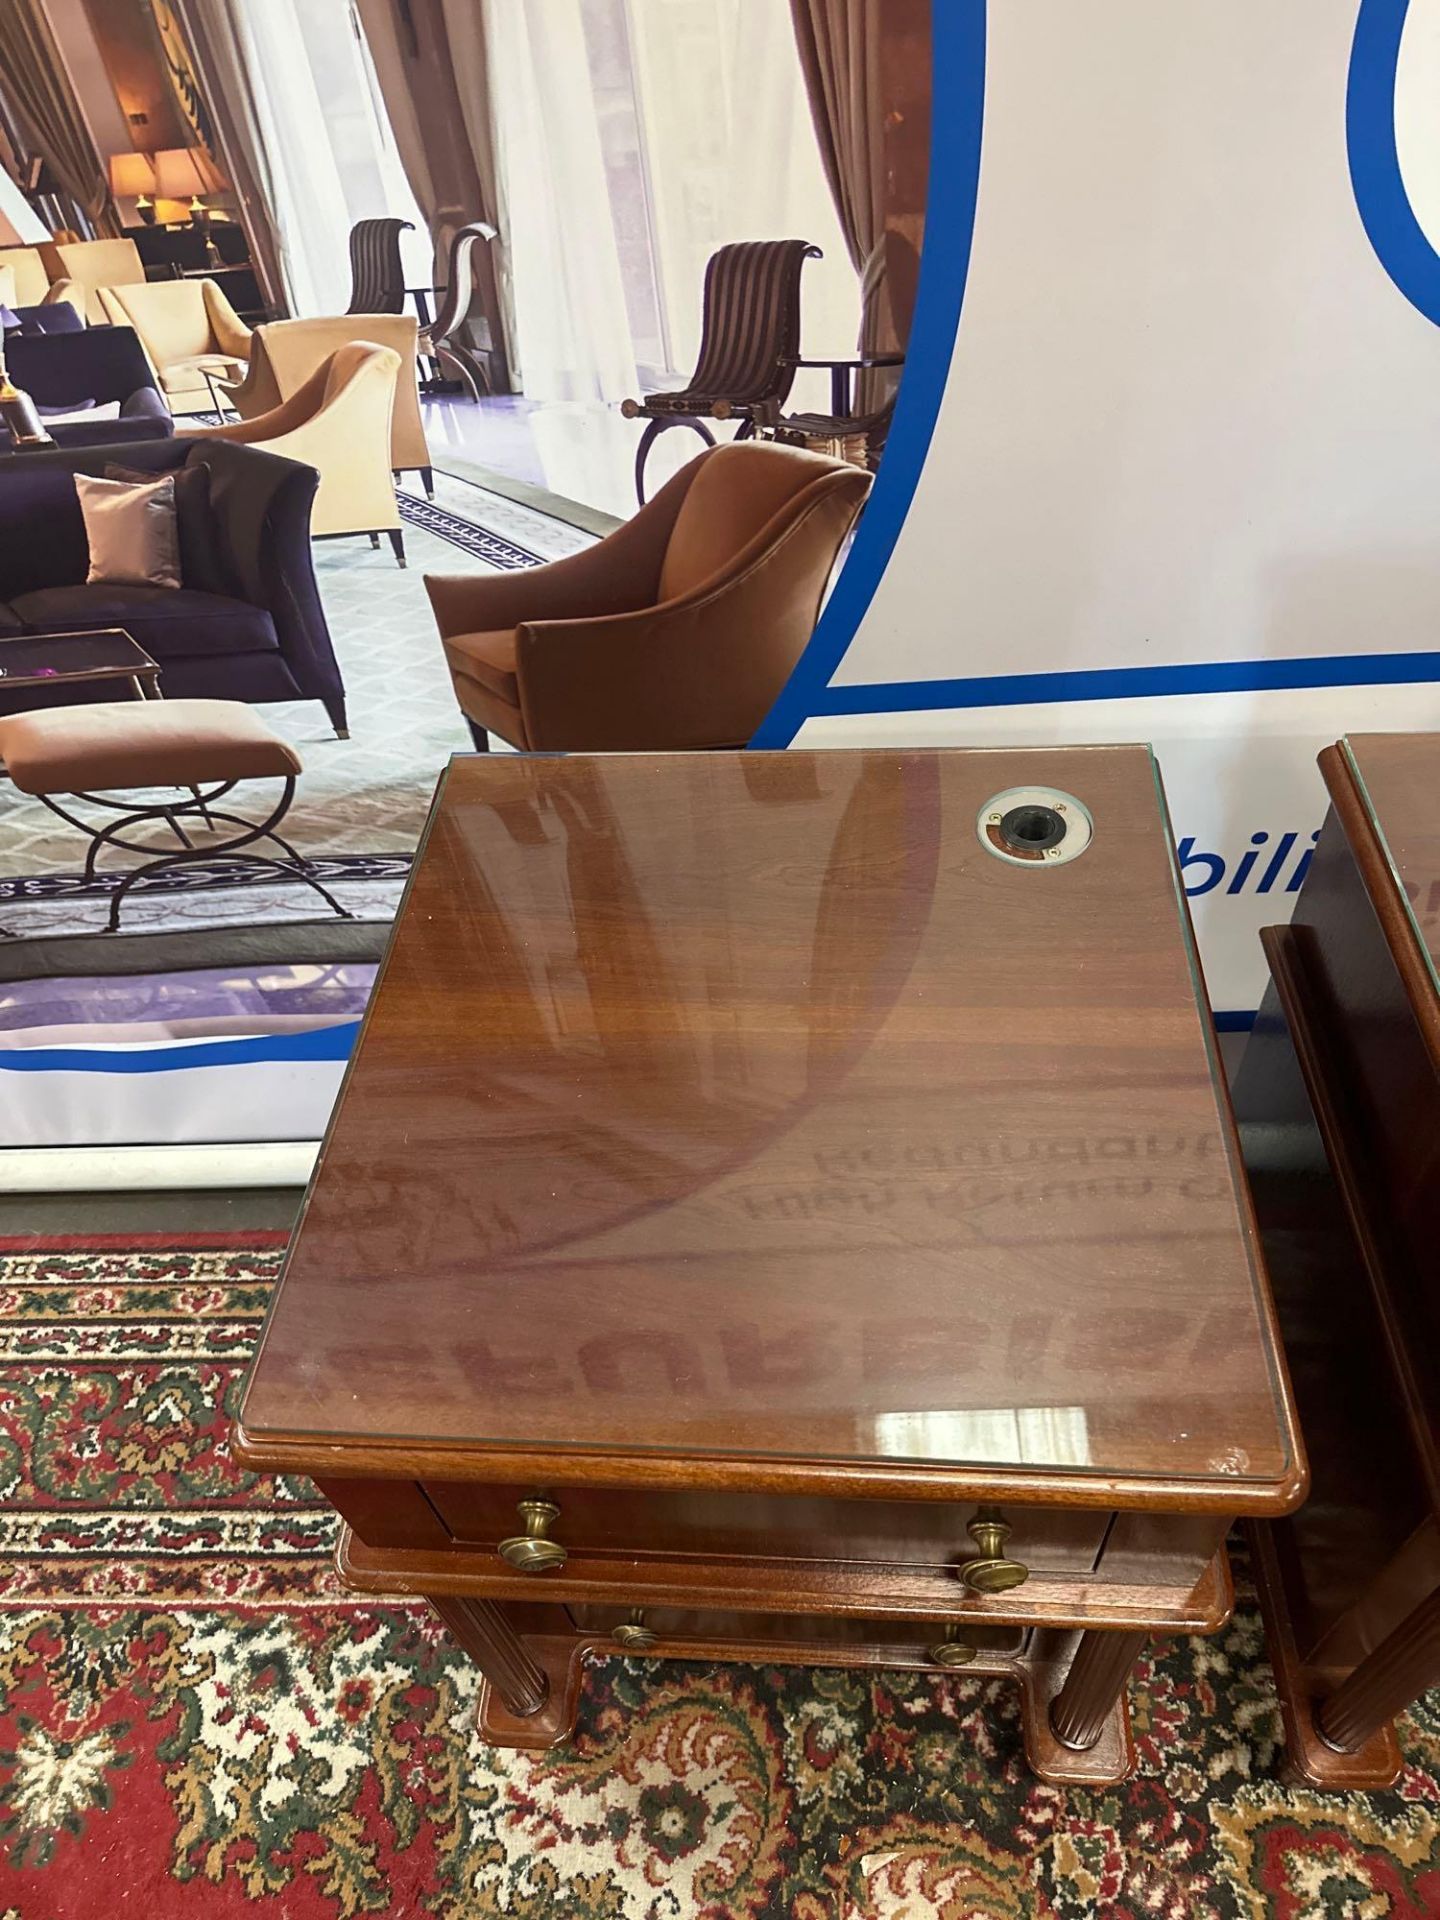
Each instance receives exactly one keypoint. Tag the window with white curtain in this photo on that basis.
(331, 152)
(636, 137)
(731, 155)
(622, 143)
(572, 319)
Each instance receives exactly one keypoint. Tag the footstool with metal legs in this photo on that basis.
(205, 748)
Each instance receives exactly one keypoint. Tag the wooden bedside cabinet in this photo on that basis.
(784, 1207)
(1339, 1099)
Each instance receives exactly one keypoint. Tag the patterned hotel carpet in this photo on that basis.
(194, 1720)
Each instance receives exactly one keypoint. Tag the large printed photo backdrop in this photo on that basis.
(1165, 466)
(1167, 460)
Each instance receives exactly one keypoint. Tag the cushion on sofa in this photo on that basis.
(169, 622)
(202, 549)
(133, 529)
(202, 552)
(94, 411)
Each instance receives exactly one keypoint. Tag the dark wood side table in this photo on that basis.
(784, 1207)
(1339, 1099)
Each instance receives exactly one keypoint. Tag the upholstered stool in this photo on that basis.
(206, 747)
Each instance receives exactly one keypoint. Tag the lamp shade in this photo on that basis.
(184, 173)
(131, 175)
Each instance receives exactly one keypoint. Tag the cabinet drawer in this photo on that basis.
(717, 1526)
(799, 1636)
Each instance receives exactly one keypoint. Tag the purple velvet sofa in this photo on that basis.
(89, 367)
(246, 624)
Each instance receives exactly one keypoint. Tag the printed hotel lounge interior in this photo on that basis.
(719, 959)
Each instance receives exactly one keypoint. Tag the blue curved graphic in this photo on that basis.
(1379, 186)
(958, 96)
(315, 1043)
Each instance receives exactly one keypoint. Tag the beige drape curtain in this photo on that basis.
(839, 47)
(46, 113)
(430, 60)
(219, 63)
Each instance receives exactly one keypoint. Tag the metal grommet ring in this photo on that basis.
(1035, 826)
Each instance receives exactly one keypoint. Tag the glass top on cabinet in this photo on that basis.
(1398, 775)
(735, 1104)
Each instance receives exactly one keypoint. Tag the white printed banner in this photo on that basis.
(1166, 464)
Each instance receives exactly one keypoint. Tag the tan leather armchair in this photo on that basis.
(285, 353)
(338, 423)
(93, 264)
(677, 631)
(187, 327)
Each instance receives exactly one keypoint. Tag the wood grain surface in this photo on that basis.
(744, 1112)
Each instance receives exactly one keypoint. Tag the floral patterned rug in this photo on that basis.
(196, 1720)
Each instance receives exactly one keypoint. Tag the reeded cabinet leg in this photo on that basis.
(1405, 1664)
(1043, 1670)
(495, 1647)
(1093, 1687)
(1310, 1759)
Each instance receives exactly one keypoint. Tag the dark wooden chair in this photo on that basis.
(377, 277)
(749, 347)
(443, 341)
(862, 399)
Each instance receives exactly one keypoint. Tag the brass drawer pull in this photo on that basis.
(952, 1651)
(533, 1551)
(633, 1634)
(991, 1572)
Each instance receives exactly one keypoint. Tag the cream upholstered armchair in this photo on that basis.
(32, 278)
(285, 353)
(67, 291)
(25, 281)
(677, 631)
(57, 291)
(93, 264)
(338, 423)
(188, 328)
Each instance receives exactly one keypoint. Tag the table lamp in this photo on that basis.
(19, 415)
(185, 173)
(133, 175)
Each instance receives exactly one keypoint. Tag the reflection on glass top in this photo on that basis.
(1399, 776)
(748, 1104)
(54, 655)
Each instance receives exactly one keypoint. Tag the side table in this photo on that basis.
(1339, 1099)
(785, 1207)
(51, 661)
